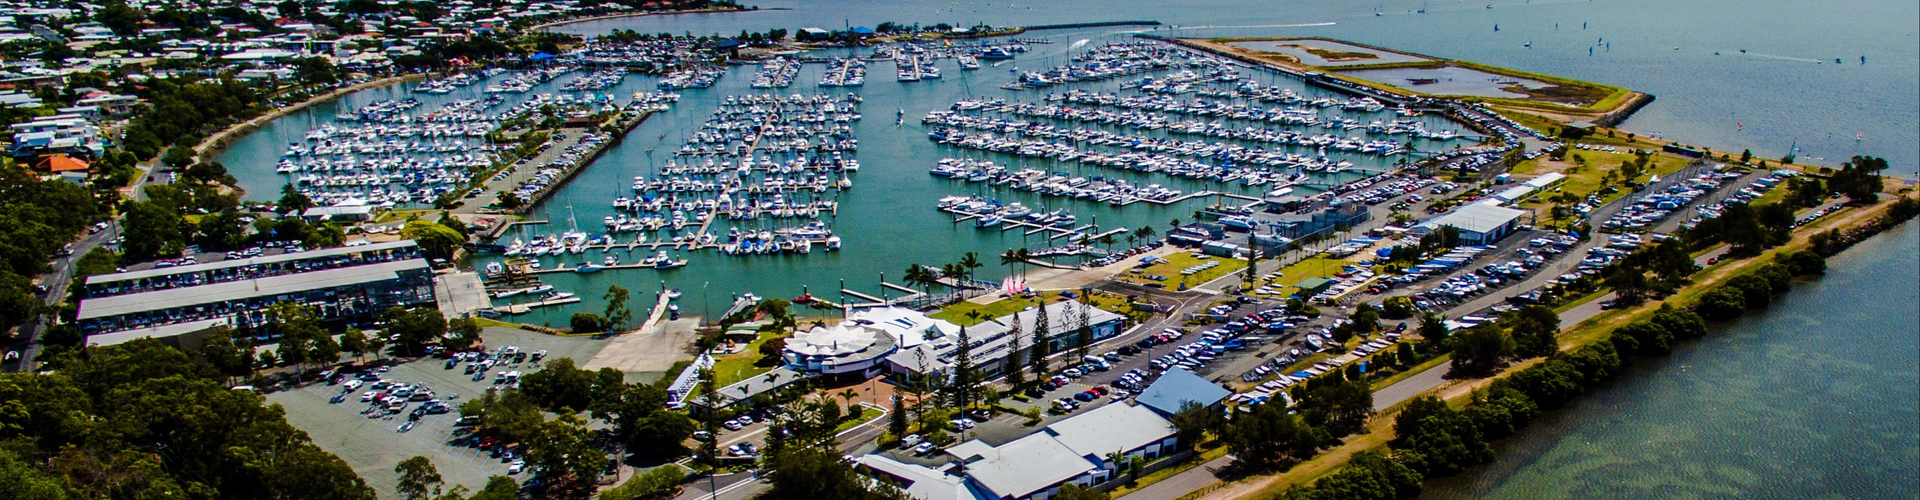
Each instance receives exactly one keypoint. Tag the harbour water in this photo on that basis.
(1773, 84)
(887, 219)
(1813, 398)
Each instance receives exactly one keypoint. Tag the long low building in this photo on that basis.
(336, 293)
(1479, 223)
(908, 343)
(1071, 451)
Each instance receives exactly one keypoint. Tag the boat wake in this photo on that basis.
(1296, 25)
(1782, 58)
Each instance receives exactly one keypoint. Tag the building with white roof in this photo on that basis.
(1073, 450)
(862, 343)
(1479, 223)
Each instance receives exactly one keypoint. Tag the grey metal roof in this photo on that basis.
(1116, 427)
(244, 289)
(167, 330)
(264, 259)
(1175, 388)
(1026, 465)
(1479, 217)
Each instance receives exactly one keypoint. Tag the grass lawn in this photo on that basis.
(1589, 178)
(731, 368)
(1582, 300)
(1316, 267)
(1204, 456)
(957, 313)
(865, 415)
(1178, 262)
(1423, 366)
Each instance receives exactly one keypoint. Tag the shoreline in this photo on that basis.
(1379, 427)
(1616, 107)
(218, 143)
(550, 25)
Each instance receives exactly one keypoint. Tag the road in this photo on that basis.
(1203, 475)
(61, 274)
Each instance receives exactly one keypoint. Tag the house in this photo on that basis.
(61, 163)
(111, 104)
(1176, 388)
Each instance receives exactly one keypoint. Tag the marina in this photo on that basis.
(748, 190)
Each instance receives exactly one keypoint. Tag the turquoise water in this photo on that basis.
(1814, 398)
(887, 220)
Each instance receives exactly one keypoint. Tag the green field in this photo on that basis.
(748, 363)
(1315, 267)
(1177, 262)
(958, 312)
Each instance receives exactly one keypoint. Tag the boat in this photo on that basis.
(587, 267)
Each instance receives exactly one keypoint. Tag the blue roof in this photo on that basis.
(1178, 386)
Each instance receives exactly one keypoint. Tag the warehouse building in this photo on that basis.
(341, 284)
(1479, 223)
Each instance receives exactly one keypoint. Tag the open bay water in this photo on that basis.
(1785, 89)
(1815, 397)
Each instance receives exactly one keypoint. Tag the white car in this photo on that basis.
(516, 467)
(923, 448)
(731, 425)
(910, 440)
(1119, 395)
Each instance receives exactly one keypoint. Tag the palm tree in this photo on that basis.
(1107, 239)
(848, 395)
(1023, 255)
(1009, 258)
(970, 261)
(915, 275)
(954, 270)
(1145, 232)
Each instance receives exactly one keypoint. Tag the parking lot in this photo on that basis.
(372, 446)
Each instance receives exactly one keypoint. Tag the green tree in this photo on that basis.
(151, 230)
(655, 484)
(1072, 491)
(414, 328)
(355, 341)
(1367, 476)
(1269, 438)
(435, 240)
(618, 315)
(466, 333)
(293, 201)
(586, 322)
(807, 472)
(418, 478)
(563, 449)
(1435, 440)
(1192, 422)
(897, 419)
(1722, 303)
(502, 488)
(1533, 331)
(1480, 349)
